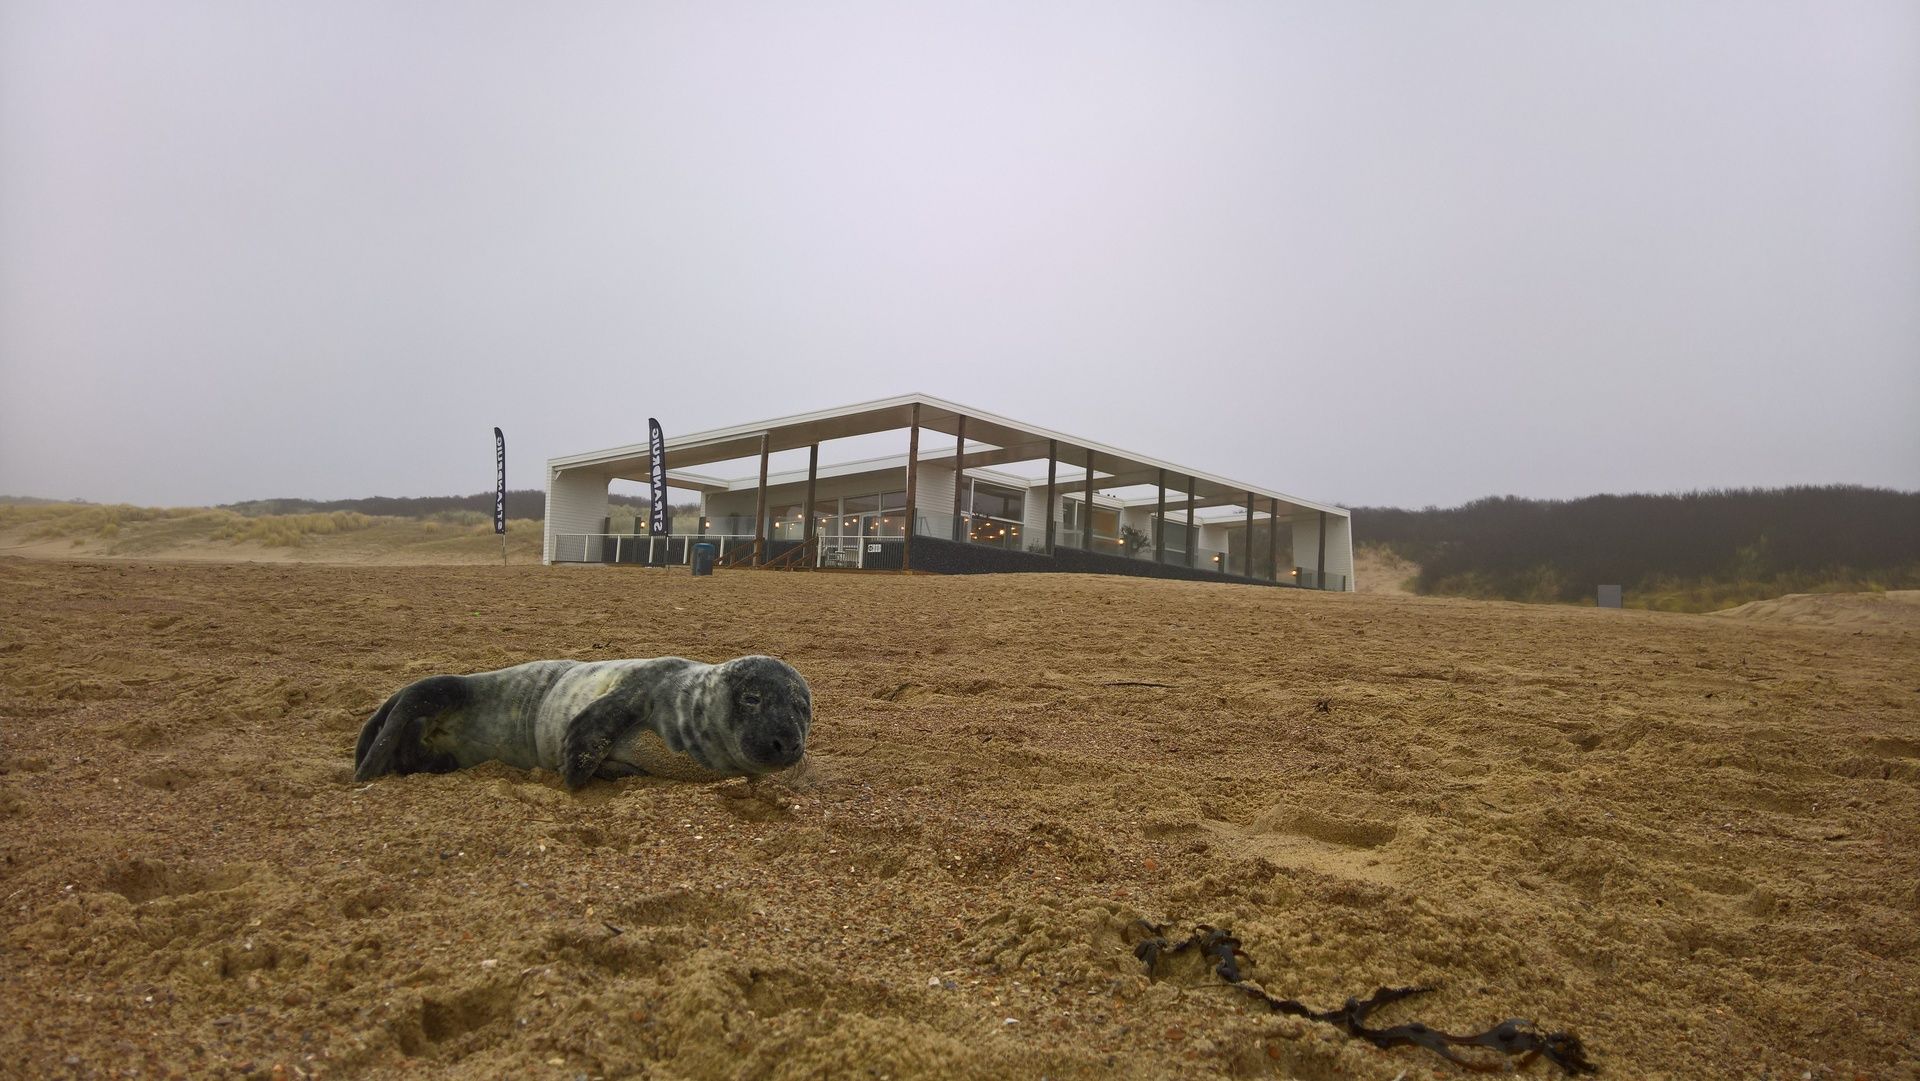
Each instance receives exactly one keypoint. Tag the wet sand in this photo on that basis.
(1694, 841)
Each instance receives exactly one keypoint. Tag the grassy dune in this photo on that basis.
(1685, 552)
(454, 536)
(203, 533)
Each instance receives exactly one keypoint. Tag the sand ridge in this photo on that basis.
(1378, 569)
(1689, 839)
(1896, 608)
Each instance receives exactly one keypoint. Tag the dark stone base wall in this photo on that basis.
(950, 557)
(938, 556)
(1084, 562)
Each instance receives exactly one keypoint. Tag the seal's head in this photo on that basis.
(771, 709)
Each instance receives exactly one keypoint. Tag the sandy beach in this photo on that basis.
(1693, 841)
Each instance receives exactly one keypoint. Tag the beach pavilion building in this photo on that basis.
(982, 493)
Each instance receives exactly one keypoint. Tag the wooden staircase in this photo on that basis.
(799, 557)
(793, 559)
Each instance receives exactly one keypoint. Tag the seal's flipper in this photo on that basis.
(368, 733)
(590, 736)
(390, 742)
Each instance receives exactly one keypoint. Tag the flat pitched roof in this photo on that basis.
(1007, 441)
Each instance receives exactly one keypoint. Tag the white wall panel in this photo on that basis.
(576, 503)
(933, 500)
(1340, 548)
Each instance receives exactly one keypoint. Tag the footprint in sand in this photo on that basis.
(1336, 845)
(140, 880)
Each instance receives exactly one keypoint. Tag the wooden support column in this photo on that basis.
(1273, 539)
(810, 556)
(1246, 557)
(1320, 561)
(1160, 522)
(1053, 455)
(959, 453)
(1192, 532)
(1086, 508)
(913, 481)
(760, 506)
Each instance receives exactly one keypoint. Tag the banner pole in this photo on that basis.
(500, 491)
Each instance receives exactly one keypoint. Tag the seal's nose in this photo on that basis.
(777, 750)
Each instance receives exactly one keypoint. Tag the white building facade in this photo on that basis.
(968, 484)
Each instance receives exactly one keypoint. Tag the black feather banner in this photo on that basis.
(500, 482)
(658, 523)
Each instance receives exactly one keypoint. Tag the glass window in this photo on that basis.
(1106, 520)
(995, 531)
(1175, 532)
(853, 511)
(786, 523)
(995, 501)
(995, 517)
(891, 521)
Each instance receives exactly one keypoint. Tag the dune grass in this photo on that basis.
(48, 521)
(124, 530)
(291, 530)
(1667, 593)
(1712, 595)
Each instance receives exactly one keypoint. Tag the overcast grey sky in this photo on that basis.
(1379, 253)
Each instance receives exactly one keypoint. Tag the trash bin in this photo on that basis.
(702, 559)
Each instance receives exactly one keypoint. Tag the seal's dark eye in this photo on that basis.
(750, 698)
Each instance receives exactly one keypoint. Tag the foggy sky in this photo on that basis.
(1369, 253)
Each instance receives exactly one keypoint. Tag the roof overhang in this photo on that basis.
(1009, 441)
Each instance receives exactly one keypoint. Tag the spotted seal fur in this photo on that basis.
(665, 716)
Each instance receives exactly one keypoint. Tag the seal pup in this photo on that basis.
(664, 716)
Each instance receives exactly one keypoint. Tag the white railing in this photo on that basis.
(855, 552)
